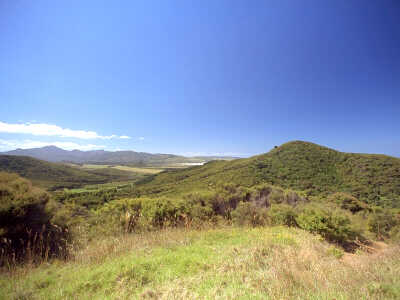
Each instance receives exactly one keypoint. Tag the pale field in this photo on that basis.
(124, 168)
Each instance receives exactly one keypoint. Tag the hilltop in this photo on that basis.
(298, 165)
(55, 154)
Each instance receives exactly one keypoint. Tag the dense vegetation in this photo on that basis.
(55, 176)
(316, 170)
(29, 227)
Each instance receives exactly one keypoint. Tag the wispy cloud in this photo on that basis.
(26, 144)
(141, 138)
(44, 129)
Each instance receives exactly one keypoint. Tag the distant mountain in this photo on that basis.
(55, 154)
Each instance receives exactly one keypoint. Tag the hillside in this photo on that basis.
(55, 154)
(220, 230)
(52, 175)
(298, 165)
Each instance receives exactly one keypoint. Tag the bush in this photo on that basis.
(329, 224)
(283, 214)
(226, 198)
(201, 210)
(348, 202)
(122, 214)
(382, 222)
(28, 227)
(246, 213)
(336, 252)
(162, 212)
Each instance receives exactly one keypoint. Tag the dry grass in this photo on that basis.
(139, 170)
(124, 168)
(225, 263)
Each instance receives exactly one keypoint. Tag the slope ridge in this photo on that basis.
(54, 175)
(298, 165)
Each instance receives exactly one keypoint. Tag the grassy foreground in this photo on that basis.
(226, 263)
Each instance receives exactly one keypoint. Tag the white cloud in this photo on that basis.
(53, 130)
(124, 137)
(141, 138)
(26, 144)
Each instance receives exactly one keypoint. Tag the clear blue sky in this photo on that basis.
(200, 77)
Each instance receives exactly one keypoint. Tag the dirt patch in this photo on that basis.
(371, 250)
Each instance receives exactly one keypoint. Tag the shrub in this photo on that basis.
(381, 223)
(226, 198)
(161, 212)
(329, 224)
(348, 202)
(283, 214)
(28, 227)
(336, 252)
(246, 213)
(201, 205)
(277, 196)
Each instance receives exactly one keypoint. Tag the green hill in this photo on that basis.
(53, 175)
(303, 166)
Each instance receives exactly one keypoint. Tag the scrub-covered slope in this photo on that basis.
(298, 165)
(54, 175)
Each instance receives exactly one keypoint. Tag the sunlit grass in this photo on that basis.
(226, 263)
(147, 170)
(139, 170)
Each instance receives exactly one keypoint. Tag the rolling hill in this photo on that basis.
(55, 154)
(53, 175)
(298, 165)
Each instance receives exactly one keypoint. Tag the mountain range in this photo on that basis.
(55, 154)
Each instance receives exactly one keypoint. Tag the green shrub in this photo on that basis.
(226, 198)
(28, 227)
(246, 213)
(201, 205)
(330, 225)
(277, 196)
(124, 213)
(348, 202)
(382, 222)
(395, 233)
(336, 252)
(162, 212)
(283, 214)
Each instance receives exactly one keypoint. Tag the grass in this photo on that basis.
(99, 187)
(136, 170)
(93, 166)
(223, 263)
(139, 170)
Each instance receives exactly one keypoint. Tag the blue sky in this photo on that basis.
(200, 77)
